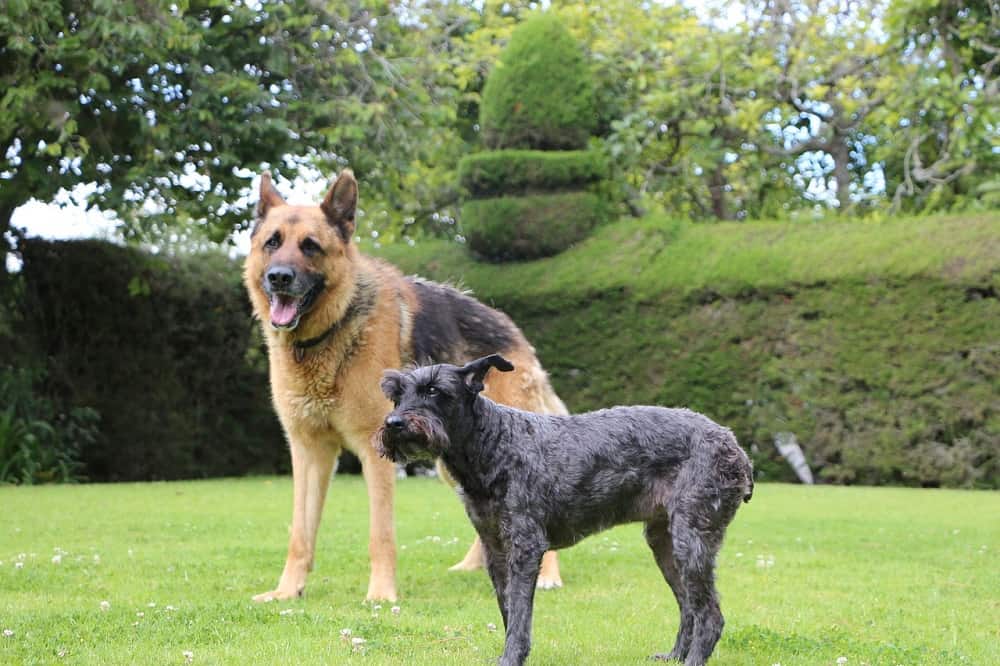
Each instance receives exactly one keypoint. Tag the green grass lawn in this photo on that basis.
(807, 575)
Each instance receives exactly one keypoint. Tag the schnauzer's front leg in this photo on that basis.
(496, 564)
(522, 573)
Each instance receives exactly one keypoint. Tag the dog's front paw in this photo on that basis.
(278, 595)
(381, 591)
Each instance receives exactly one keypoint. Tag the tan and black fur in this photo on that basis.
(334, 320)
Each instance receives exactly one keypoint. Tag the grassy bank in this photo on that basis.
(875, 343)
(807, 575)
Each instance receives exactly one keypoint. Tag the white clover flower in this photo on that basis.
(105, 606)
(490, 626)
(57, 559)
(357, 640)
(396, 610)
(345, 633)
(188, 656)
(8, 633)
(841, 660)
(18, 565)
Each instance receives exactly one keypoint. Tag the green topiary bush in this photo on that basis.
(529, 227)
(499, 172)
(540, 94)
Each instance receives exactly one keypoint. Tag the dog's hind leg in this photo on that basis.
(695, 545)
(657, 534)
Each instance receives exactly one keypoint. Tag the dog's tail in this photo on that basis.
(740, 466)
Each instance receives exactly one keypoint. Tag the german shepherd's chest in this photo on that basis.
(323, 392)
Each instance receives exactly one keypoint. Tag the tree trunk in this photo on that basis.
(841, 154)
(717, 189)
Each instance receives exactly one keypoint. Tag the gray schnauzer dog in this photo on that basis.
(533, 482)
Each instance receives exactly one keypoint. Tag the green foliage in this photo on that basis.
(872, 342)
(38, 442)
(165, 105)
(806, 574)
(539, 95)
(530, 226)
(163, 349)
(496, 172)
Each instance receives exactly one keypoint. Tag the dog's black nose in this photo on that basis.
(394, 422)
(280, 277)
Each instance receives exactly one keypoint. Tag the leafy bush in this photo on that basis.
(38, 443)
(540, 94)
(499, 172)
(163, 349)
(529, 227)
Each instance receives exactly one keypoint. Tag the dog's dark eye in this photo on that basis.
(274, 242)
(310, 247)
(432, 391)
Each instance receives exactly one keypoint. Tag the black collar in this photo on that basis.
(362, 303)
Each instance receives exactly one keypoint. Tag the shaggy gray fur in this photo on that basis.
(533, 482)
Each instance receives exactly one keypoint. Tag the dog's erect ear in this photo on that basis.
(269, 197)
(474, 372)
(340, 204)
(392, 384)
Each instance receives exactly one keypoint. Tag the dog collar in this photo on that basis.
(362, 303)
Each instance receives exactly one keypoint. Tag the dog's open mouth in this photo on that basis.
(287, 309)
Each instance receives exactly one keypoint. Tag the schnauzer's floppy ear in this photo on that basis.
(475, 371)
(340, 204)
(269, 197)
(391, 384)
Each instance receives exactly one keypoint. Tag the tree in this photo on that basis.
(943, 138)
(170, 107)
(823, 64)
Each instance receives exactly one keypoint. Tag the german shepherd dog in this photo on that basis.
(334, 320)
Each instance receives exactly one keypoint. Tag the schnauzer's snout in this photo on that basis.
(280, 277)
(394, 422)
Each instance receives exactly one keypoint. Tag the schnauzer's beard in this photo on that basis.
(422, 439)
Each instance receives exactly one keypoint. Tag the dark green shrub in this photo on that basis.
(540, 94)
(163, 349)
(38, 443)
(498, 172)
(529, 227)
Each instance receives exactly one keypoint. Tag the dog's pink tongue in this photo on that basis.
(283, 310)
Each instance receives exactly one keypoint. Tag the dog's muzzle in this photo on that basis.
(403, 439)
(290, 294)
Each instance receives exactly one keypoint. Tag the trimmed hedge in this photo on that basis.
(539, 95)
(874, 343)
(163, 349)
(498, 172)
(529, 227)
